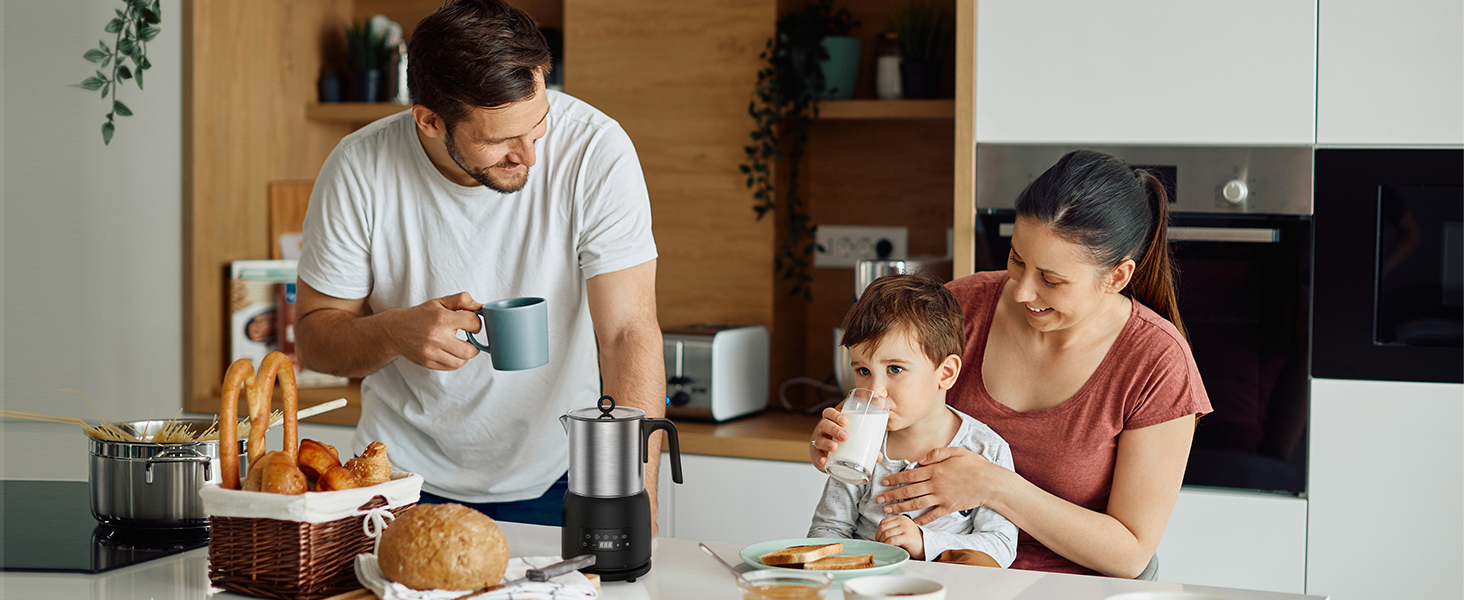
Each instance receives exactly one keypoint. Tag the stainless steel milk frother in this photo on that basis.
(607, 511)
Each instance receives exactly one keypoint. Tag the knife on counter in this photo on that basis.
(540, 574)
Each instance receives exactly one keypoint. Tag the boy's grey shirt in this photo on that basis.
(850, 512)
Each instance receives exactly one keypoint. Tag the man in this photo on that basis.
(491, 187)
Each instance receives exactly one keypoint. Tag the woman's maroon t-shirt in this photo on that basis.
(1069, 450)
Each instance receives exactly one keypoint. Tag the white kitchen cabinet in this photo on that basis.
(1386, 490)
(1236, 539)
(743, 501)
(1390, 73)
(1146, 72)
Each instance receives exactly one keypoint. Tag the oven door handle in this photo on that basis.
(1259, 235)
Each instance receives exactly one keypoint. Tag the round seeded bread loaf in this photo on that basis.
(443, 547)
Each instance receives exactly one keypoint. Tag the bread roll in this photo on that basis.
(372, 467)
(336, 478)
(316, 458)
(276, 473)
(443, 547)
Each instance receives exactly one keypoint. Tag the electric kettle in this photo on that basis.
(607, 512)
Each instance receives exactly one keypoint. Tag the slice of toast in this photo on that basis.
(841, 563)
(800, 554)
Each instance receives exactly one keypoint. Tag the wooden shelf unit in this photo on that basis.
(366, 112)
(887, 109)
(351, 112)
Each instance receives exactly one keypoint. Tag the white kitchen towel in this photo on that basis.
(569, 586)
(310, 507)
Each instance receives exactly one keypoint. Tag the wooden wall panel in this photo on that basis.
(251, 67)
(678, 75)
(965, 147)
(888, 173)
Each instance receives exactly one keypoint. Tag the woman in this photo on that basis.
(1076, 355)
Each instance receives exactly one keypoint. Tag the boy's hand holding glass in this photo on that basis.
(827, 436)
(866, 416)
(900, 531)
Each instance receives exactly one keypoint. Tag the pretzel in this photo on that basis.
(274, 472)
(241, 373)
(276, 363)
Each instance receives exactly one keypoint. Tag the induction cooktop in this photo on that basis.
(48, 526)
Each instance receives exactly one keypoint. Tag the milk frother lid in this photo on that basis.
(606, 410)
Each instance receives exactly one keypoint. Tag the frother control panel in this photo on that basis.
(605, 540)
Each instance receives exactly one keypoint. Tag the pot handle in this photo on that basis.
(179, 456)
(649, 426)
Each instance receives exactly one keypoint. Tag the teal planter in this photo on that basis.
(841, 68)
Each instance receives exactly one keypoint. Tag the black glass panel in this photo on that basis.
(48, 526)
(1419, 267)
(1387, 265)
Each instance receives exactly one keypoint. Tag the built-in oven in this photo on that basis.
(1390, 265)
(1241, 233)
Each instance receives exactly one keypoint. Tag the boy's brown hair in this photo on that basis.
(916, 302)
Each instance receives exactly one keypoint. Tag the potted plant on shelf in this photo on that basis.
(925, 36)
(367, 51)
(791, 81)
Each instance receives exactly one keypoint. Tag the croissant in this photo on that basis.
(337, 478)
(315, 458)
(372, 467)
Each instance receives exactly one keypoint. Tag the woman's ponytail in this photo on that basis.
(1154, 278)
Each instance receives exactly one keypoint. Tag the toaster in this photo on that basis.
(716, 372)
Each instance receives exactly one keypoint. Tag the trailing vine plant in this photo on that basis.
(783, 107)
(136, 24)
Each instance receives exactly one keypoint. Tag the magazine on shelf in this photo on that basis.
(261, 316)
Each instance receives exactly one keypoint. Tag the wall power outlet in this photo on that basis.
(844, 245)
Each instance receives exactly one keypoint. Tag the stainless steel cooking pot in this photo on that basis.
(154, 485)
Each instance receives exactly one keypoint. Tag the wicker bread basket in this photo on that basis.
(298, 547)
(252, 551)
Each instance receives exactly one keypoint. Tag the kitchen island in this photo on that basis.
(679, 570)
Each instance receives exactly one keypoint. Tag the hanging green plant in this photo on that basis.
(136, 24)
(784, 105)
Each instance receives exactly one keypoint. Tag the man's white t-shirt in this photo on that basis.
(385, 225)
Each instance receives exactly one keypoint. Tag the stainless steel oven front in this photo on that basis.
(1241, 233)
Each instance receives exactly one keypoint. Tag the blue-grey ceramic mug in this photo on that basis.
(517, 330)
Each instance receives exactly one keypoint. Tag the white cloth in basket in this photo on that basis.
(310, 507)
(569, 586)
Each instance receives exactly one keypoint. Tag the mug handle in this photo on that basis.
(473, 338)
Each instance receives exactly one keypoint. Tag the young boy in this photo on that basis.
(905, 339)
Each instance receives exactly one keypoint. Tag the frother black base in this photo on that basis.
(627, 574)
(617, 530)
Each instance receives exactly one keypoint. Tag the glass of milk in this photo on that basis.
(853, 461)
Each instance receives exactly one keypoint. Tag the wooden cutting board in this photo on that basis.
(365, 594)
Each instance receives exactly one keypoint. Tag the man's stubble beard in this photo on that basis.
(485, 176)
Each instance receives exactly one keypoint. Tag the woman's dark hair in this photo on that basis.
(1115, 211)
(474, 53)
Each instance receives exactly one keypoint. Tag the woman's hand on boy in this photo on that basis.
(900, 531)
(948, 480)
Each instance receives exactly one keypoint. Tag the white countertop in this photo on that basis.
(679, 570)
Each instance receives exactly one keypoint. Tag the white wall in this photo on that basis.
(93, 238)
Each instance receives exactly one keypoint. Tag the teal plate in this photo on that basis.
(886, 557)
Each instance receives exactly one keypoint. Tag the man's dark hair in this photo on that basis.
(474, 53)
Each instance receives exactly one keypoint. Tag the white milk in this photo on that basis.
(853, 461)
